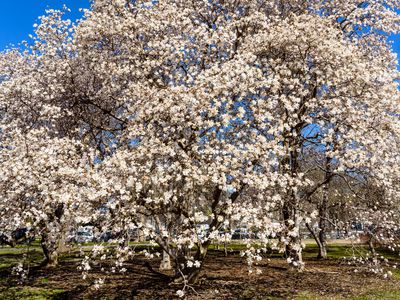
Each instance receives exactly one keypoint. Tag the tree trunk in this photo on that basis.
(62, 241)
(290, 209)
(140, 232)
(293, 247)
(371, 244)
(52, 259)
(50, 251)
(165, 262)
(52, 246)
(321, 240)
(225, 248)
(322, 248)
(191, 274)
(323, 211)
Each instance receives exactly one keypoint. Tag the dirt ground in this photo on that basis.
(222, 278)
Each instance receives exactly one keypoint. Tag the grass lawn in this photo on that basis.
(31, 293)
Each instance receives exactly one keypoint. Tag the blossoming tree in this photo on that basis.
(201, 113)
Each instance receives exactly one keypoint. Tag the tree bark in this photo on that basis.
(322, 247)
(323, 211)
(320, 238)
(290, 207)
(140, 232)
(192, 274)
(371, 244)
(53, 246)
(50, 251)
(165, 262)
(293, 247)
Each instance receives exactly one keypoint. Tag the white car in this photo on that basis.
(83, 235)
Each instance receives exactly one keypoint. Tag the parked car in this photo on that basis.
(84, 237)
(202, 230)
(6, 240)
(84, 234)
(18, 236)
(106, 236)
(241, 234)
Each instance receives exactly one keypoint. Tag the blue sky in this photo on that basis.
(17, 18)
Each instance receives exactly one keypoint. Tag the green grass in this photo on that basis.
(396, 273)
(334, 251)
(370, 295)
(45, 280)
(343, 250)
(16, 251)
(311, 250)
(339, 250)
(11, 258)
(389, 254)
(29, 293)
(248, 294)
(306, 295)
(375, 295)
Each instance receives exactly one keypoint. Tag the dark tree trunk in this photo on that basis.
(371, 244)
(50, 251)
(165, 261)
(192, 274)
(321, 239)
(323, 211)
(293, 248)
(53, 246)
(321, 247)
(290, 217)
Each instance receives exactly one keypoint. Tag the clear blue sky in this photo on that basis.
(18, 16)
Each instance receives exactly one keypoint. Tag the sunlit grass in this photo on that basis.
(29, 293)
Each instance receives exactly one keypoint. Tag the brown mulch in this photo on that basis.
(222, 278)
